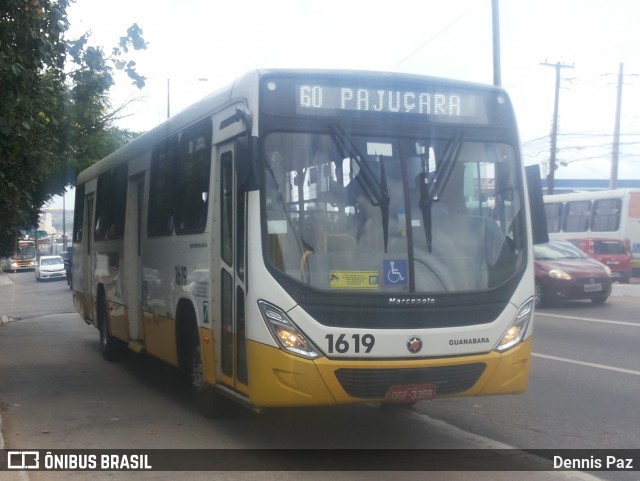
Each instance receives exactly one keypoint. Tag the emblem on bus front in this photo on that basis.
(414, 345)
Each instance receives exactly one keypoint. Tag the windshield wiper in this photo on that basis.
(431, 193)
(425, 207)
(384, 203)
(375, 190)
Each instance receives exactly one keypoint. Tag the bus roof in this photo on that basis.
(245, 87)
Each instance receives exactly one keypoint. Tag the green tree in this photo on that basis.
(55, 114)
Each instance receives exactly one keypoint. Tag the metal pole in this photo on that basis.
(554, 129)
(554, 136)
(168, 98)
(613, 179)
(495, 16)
(64, 222)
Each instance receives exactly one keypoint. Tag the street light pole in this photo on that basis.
(613, 178)
(168, 97)
(201, 79)
(495, 16)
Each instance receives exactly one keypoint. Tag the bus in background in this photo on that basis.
(606, 214)
(317, 238)
(23, 260)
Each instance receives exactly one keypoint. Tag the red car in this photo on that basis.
(564, 272)
(611, 252)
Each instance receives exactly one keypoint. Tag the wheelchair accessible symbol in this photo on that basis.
(395, 272)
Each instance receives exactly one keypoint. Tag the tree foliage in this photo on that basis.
(55, 114)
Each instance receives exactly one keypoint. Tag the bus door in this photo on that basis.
(132, 254)
(230, 331)
(87, 261)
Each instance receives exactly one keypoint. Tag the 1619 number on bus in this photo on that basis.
(355, 344)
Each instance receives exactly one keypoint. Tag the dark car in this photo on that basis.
(564, 272)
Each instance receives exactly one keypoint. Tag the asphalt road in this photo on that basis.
(57, 392)
(584, 386)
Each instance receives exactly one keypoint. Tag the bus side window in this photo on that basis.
(111, 203)
(161, 190)
(553, 212)
(605, 215)
(192, 174)
(78, 218)
(576, 216)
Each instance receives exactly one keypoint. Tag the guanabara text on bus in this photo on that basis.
(317, 238)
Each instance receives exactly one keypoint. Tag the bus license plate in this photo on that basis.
(592, 287)
(410, 393)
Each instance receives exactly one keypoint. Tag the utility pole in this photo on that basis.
(554, 129)
(495, 17)
(613, 179)
(168, 97)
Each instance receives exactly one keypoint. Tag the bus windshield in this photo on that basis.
(393, 214)
(26, 251)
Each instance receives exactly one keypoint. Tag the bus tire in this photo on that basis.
(206, 400)
(112, 349)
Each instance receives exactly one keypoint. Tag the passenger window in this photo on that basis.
(606, 215)
(192, 179)
(78, 218)
(576, 216)
(553, 213)
(111, 204)
(161, 189)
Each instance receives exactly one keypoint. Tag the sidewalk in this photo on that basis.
(626, 290)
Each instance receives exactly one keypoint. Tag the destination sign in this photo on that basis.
(441, 105)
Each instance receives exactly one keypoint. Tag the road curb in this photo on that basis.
(626, 290)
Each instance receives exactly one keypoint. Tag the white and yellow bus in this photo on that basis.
(23, 259)
(607, 214)
(317, 238)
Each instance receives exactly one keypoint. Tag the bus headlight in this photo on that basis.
(517, 328)
(285, 332)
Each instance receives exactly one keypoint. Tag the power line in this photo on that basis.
(431, 39)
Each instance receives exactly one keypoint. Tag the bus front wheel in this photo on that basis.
(206, 400)
(112, 349)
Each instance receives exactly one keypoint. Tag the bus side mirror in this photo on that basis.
(245, 150)
(536, 205)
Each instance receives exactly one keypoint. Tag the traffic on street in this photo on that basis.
(57, 392)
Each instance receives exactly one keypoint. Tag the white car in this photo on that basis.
(50, 267)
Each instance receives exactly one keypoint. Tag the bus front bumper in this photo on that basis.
(279, 379)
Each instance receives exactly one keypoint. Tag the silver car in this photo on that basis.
(50, 267)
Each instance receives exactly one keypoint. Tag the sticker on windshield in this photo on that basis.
(395, 272)
(354, 280)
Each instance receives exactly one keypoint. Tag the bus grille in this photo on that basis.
(374, 383)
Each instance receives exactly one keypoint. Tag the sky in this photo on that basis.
(201, 45)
